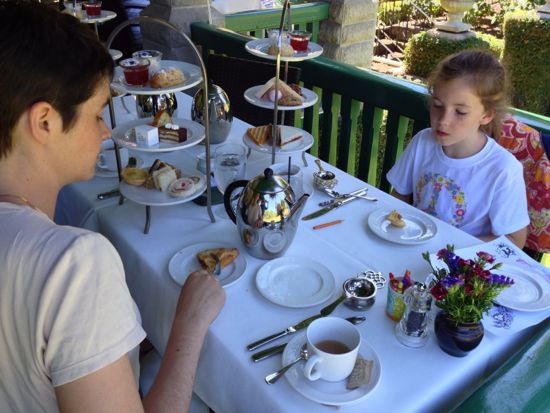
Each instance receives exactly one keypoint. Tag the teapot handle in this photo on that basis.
(227, 198)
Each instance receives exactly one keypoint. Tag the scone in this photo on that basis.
(167, 78)
(225, 256)
(286, 50)
(396, 219)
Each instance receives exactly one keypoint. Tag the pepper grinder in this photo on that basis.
(412, 330)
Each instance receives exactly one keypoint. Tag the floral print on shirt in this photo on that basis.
(437, 183)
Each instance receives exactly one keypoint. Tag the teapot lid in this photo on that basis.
(268, 183)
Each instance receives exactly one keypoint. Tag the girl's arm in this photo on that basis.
(404, 198)
(518, 237)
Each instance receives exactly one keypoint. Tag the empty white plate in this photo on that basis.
(295, 282)
(530, 291)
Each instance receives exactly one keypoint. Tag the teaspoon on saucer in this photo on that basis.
(273, 377)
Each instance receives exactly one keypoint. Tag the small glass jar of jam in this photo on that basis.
(154, 57)
(93, 8)
(136, 71)
(299, 40)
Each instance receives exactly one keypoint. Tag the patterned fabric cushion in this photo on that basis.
(525, 144)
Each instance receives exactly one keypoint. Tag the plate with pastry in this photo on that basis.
(289, 97)
(290, 139)
(402, 227)
(295, 282)
(173, 76)
(159, 134)
(204, 255)
(264, 48)
(161, 184)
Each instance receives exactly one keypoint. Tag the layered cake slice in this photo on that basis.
(172, 133)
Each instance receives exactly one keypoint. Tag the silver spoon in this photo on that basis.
(273, 377)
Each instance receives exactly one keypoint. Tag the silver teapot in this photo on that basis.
(220, 115)
(148, 105)
(267, 214)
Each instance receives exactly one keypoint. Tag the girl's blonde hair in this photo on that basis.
(487, 78)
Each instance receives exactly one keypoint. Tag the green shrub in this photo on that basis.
(526, 57)
(424, 50)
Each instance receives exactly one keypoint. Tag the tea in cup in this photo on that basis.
(333, 345)
(107, 157)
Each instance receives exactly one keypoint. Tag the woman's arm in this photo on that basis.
(113, 388)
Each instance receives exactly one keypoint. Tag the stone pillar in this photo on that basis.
(348, 34)
(544, 11)
(181, 13)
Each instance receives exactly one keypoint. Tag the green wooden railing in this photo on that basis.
(253, 23)
(362, 119)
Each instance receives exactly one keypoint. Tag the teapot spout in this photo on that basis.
(298, 207)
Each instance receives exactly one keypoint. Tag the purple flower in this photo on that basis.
(500, 280)
(485, 256)
(450, 280)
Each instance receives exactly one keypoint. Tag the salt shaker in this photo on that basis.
(412, 330)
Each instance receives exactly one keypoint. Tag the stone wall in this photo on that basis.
(348, 34)
(180, 13)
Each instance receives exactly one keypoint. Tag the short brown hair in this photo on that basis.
(45, 56)
(486, 76)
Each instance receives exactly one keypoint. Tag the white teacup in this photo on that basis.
(296, 176)
(333, 345)
(107, 157)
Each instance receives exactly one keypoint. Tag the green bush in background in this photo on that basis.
(526, 57)
(424, 50)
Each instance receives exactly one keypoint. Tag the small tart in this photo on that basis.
(134, 176)
(396, 219)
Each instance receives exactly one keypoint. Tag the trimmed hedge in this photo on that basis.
(424, 50)
(526, 57)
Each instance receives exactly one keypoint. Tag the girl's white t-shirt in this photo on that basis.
(65, 308)
(483, 194)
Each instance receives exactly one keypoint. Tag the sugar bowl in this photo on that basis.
(361, 290)
(324, 179)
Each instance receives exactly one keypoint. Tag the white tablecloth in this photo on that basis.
(413, 380)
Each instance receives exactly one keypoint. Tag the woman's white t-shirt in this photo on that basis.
(65, 309)
(483, 194)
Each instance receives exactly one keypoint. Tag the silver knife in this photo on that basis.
(336, 204)
(298, 326)
(105, 195)
(289, 330)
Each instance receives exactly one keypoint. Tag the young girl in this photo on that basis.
(453, 170)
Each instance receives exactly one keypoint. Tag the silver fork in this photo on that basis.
(336, 194)
(218, 268)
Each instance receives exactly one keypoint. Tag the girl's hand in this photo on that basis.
(404, 198)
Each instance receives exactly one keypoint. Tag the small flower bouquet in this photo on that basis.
(465, 290)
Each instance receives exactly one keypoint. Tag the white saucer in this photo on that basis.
(299, 145)
(124, 135)
(419, 227)
(185, 262)
(259, 48)
(192, 73)
(295, 282)
(321, 391)
(530, 292)
(310, 96)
